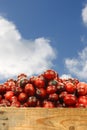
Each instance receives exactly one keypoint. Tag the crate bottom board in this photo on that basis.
(43, 119)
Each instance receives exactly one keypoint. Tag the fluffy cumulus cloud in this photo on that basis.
(19, 55)
(78, 66)
(65, 76)
(84, 15)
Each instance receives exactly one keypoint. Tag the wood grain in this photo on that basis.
(43, 119)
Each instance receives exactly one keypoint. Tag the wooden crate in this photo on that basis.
(43, 119)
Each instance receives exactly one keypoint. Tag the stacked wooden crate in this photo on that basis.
(43, 119)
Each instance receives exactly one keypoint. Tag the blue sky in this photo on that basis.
(55, 29)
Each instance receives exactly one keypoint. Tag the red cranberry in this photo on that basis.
(39, 83)
(22, 97)
(4, 103)
(48, 104)
(82, 100)
(2, 89)
(70, 100)
(29, 89)
(53, 97)
(41, 93)
(17, 90)
(81, 89)
(15, 104)
(53, 82)
(62, 95)
(8, 95)
(49, 74)
(22, 75)
(70, 87)
(32, 101)
(51, 89)
(22, 82)
(60, 87)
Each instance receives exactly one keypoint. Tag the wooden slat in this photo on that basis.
(43, 119)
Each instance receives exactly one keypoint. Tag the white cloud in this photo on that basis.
(18, 55)
(78, 66)
(84, 15)
(65, 76)
(83, 39)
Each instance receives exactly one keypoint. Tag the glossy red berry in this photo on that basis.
(49, 74)
(15, 104)
(32, 101)
(22, 75)
(8, 95)
(62, 95)
(82, 100)
(17, 90)
(29, 89)
(22, 97)
(22, 82)
(70, 100)
(70, 87)
(13, 99)
(48, 104)
(81, 89)
(53, 97)
(2, 89)
(60, 87)
(39, 83)
(51, 89)
(5, 103)
(53, 82)
(41, 93)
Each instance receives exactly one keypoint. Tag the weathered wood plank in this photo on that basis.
(43, 119)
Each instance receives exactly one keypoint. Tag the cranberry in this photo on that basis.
(7, 86)
(11, 82)
(17, 90)
(8, 95)
(41, 76)
(39, 103)
(22, 82)
(49, 74)
(58, 104)
(0, 98)
(4, 103)
(80, 105)
(39, 83)
(48, 104)
(53, 97)
(41, 93)
(29, 89)
(70, 87)
(81, 89)
(75, 81)
(70, 100)
(60, 87)
(53, 82)
(15, 104)
(13, 99)
(24, 104)
(32, 79)
(51, 89)
(22, 75)
(2, 89)
(82, 100)
(32, 101)
(22, 97)
(62, 95)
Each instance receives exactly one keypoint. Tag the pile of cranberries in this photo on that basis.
(46, 90)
